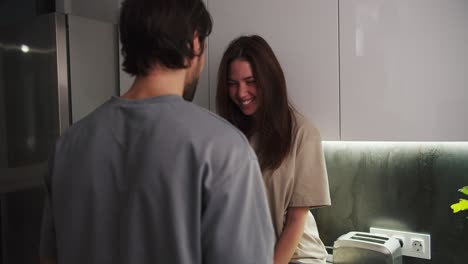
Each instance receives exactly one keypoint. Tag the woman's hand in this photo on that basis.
(291, 235)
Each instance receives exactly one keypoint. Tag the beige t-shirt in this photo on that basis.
(300, 181)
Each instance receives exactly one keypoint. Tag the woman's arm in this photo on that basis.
(291, 235)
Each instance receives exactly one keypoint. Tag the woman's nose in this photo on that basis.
(242, 91)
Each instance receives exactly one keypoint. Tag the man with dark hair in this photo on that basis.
(149, 177)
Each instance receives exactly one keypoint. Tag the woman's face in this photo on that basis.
(242, 86)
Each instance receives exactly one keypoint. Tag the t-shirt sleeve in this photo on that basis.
(311, 187)
(236, 222)
(47, 242)
(48, 245)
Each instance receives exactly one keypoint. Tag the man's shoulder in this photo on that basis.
(87, 124)
(212, 124)
(219, 136)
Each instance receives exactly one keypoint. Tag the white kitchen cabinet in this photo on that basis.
(303, 35)
(93, 63)
(202, 96)
(404, 70)
(102, 10)
(125, 79)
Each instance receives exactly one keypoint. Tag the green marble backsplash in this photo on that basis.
(402, 186)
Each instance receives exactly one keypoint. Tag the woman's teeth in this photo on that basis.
(246, 102)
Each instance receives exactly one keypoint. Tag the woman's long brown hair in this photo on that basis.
(273, 122)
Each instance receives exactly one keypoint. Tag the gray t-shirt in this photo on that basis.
(157, 180)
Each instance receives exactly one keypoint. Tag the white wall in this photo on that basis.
(404, 70)
(125, 80)
(303, 35)
(93, 64)
(103, 10)
(202, 97)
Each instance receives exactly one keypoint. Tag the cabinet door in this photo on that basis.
(303, 35)
(202, 96)
(93, 64)
(102, 10)
(125, 79)
(404, 70)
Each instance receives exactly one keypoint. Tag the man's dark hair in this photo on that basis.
(161, 32)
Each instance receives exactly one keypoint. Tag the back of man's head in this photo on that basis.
(161, 32)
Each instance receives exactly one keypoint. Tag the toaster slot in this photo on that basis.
(371, 236)
(378, 241)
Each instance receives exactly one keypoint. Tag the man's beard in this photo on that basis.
(190, 89)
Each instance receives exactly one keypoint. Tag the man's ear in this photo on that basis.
(196, 44)
(197, 48)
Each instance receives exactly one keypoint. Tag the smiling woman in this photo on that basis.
(242, 87)
(252, 95)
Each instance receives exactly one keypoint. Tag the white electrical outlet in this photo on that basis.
(417, 245)
(414, 244)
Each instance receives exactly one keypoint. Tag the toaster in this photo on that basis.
(366, 248)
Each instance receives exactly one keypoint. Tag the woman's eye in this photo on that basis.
(251, 82)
